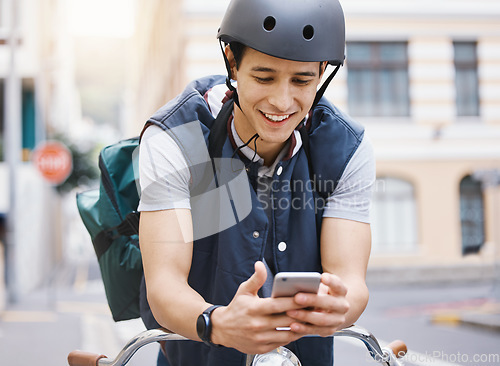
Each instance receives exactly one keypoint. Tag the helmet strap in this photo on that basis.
(228, 78)
(322, 90)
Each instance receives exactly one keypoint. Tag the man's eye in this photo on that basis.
(263, 80)
(301, 81)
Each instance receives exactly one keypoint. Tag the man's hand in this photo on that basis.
(249, 322)
(322, 314)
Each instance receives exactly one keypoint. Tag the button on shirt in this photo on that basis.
(263, 189)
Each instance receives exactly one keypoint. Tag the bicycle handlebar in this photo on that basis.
(398, 348)
(81, 358)
(387, 355)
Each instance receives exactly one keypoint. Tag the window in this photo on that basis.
(466, 78)
(28, 115)
(377, 79)
(394, 217)
(471, 215)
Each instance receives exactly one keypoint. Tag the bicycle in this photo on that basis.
(387, 356)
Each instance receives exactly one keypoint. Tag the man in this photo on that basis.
(295, 147)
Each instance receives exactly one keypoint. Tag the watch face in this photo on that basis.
(201, 326)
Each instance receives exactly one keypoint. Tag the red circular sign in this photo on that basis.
(54, 161)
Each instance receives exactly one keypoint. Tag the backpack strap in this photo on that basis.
(128, 227)
(146, 125)
(130, 224)
(218, 131)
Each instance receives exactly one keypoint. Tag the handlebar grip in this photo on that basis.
(81, 358)
(398, 348)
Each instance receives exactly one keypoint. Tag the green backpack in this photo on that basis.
(110, 216)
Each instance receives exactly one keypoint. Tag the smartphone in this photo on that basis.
(287, 284)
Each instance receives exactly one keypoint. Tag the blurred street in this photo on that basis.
(452, 324)
(72, 314)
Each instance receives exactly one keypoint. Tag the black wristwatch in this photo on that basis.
(204, 326)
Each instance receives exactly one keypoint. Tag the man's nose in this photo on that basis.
(281, 97)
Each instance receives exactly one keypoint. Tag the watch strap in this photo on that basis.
(207, 333)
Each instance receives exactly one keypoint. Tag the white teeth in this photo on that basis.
(276, 118)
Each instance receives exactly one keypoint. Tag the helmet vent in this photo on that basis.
(269, 23)
(308, 32)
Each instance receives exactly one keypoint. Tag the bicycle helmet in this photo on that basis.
(297, 30)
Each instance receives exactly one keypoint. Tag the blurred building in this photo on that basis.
(40, 102)
(158, 72)
(424, 79)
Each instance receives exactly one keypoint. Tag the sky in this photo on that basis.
(102, 18)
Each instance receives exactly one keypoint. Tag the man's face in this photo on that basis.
(275, 95)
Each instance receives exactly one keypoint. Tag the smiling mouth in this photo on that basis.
(275, 117)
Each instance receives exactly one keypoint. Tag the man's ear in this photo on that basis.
(232, 61)
(322, 68)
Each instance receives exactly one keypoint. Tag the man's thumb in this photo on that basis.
(256, 281)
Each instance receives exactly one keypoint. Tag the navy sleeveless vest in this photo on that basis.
(225, 259)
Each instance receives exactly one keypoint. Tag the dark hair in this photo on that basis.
(238, 50)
